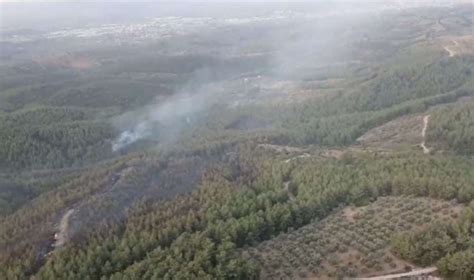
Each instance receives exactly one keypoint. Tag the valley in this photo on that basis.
(308, 142)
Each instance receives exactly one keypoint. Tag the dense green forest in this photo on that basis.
(453, 128)
(197, 234)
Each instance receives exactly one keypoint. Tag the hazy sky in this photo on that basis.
(239, 1)
(51, 14)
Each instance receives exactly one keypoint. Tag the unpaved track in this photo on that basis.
(426, 119)
(281, 149)
(286, 187)
(449, 50)
(400, 275)
(305, 155)
(62, 236)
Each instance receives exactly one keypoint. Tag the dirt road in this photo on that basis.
(400, 275)
(281, 149)
(62, 235)
(286, 187)
(450, 51)
(305, 155)
(426, 119)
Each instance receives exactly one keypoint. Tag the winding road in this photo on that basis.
(449, 50)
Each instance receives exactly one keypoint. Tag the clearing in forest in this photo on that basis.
(395, 134)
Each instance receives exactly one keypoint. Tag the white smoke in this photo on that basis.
(167, 117)
(130, 136)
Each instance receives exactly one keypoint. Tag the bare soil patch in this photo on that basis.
(77, 62)
(401, 132)
(462, 45)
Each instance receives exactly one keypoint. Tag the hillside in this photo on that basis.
(309, 142)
